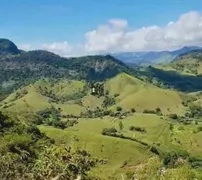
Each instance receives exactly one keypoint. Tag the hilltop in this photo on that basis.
(7, 47)
(27, 67)
(190, 62)
(74, 97)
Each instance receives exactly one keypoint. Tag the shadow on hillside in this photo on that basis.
(185, 83)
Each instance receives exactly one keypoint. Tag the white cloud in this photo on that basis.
(25, 47)
(62, 48)
(115, 37)
(118, 23)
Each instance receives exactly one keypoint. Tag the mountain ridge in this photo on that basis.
(152, 57)
(26, 67)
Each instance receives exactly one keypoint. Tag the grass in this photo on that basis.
(190, 65)
(140, 95)
(32, 100)
(116, 151)
(87, 135)
(133, 93)
(189, 140)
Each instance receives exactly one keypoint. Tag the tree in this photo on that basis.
(121, 126)
(133, 110)
(173, 116)
(158, 111)
(119, 108)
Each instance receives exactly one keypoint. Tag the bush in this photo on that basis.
(173, 116)
(119, 108)
(196, 111)
(107, 113)
(147, 111)
(171, 127)
(158, 111)
(108, 131)
(181, 128)
(139, 129)
(108, 101)
(199, 129)
(133, 110)
(129, 174)
(116, 95)
(171, 158)
(59, 124)
(121, 126)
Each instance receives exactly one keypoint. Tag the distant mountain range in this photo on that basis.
(152, 57)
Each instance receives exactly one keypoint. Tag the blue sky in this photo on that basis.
(48, 21)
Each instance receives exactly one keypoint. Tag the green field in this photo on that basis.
(87, 135)
(120, 155)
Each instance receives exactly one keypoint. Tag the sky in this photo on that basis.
(81, 27)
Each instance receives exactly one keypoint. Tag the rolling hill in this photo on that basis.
(123, 117)
(27, 67)
(74, 97)
(134, 93)
(190, 62)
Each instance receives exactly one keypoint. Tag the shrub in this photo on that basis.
(171, 127)
(196, 110)
(119, 108)
(139, 129)
(199, 128)
(59, 124)
(173, 116)
(158, 111)
(108, 131)
(121, 126)
(181, 128)
(133, 110)
(171, 158)
(148, 111)
(108, 101)
(129, 174)
(116, 95)
(107, 113)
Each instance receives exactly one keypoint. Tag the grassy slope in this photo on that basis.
(189, 65)
(168, 67)
(134, 93)
(32, 100)
(118, 151)
(35, 101)
(139, 95)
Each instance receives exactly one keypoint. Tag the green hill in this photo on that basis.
(134, 93)
(74, 97)
(189, 63)
(28, 67)
(172, 79)
(125, 118)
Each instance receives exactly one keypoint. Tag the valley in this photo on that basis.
(132, 122)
